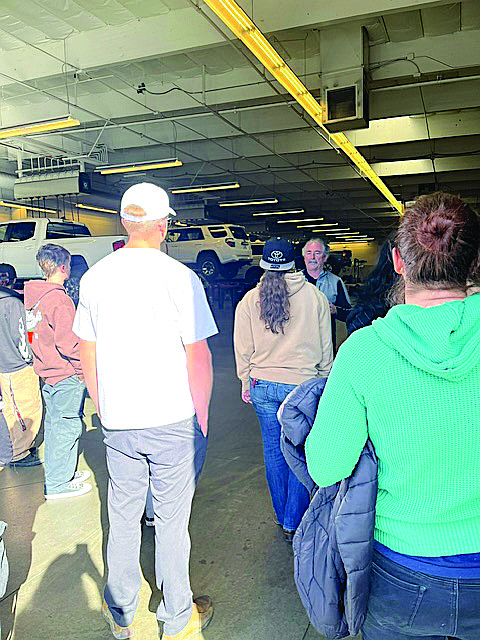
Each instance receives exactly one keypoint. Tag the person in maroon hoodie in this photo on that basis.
(50, 313)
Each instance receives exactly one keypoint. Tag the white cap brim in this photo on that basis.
(276, 267)
(147, 217)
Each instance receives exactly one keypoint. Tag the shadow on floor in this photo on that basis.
(93, 451)
(69, 594)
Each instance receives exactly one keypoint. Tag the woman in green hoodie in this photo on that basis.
(411, 383)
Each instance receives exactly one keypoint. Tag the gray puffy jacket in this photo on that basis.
(333, 545)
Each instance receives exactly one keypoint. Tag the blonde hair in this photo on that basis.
(274, 301)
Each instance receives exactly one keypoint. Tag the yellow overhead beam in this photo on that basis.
(241, 25)
(39, 127)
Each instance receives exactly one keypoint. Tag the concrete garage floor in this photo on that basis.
(238, 555)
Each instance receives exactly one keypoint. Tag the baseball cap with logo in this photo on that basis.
(149, 197)
(278, 255)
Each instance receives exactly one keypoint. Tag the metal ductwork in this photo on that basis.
(344, 59)
(52, 184)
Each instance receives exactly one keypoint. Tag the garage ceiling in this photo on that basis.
(211, 104)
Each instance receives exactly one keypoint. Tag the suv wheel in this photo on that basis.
(229, 271)
(253, 275)
(209, 266)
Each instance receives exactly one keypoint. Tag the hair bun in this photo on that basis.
(436, 233)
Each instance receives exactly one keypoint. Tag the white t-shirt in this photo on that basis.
(141, 307)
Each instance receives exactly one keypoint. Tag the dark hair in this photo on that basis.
(7, 275)
(381, 279)
(439, 241)
(374, 298)
(52, 256)
(72, 289)
(274, 301)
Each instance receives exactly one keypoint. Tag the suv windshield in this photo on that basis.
(239, 233)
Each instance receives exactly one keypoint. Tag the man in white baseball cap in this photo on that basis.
(143, 321)
(145, 202)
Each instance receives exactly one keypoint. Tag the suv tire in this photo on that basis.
(254, 274)
(229, 270)
(208, 265)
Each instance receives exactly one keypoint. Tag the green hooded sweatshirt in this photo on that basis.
(411, 383)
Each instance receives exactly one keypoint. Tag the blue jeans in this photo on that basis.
(289, 497)
(63, 428)
(408, 605)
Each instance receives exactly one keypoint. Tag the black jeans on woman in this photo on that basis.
(408, 605)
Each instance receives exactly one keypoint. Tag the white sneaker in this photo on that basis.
(72, 489)
(81, 476)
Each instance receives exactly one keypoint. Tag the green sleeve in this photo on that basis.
(339, 432)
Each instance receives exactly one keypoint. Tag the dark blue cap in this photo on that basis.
(278, 255)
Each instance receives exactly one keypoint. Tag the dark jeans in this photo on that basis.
(408, 605)
(289, 497)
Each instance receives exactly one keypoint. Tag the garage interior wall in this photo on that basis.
(362, 251)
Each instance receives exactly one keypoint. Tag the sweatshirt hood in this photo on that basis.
(443, 340)
(295, 282)
(34, 290)
(6, 292)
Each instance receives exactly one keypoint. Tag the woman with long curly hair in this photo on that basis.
(282, 337)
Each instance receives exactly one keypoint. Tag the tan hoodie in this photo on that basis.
(50, 313)
(303, 351)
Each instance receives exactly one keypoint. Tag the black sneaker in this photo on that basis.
(288, 535)
(32, 460)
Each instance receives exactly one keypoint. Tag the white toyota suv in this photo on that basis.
(212, 249)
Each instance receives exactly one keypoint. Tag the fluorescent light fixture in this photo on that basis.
(206, 187)
(343, 235)
(326, 224)
(278, 213)
(353, 241)
(40, 126)
(139, 166)
(237, 20)
(247, 203)
(302, 220)
(92, 208)
(19, 205)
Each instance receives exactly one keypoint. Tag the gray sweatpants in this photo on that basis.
(173, 455)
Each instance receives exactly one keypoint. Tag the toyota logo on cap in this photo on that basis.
(276, 255)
